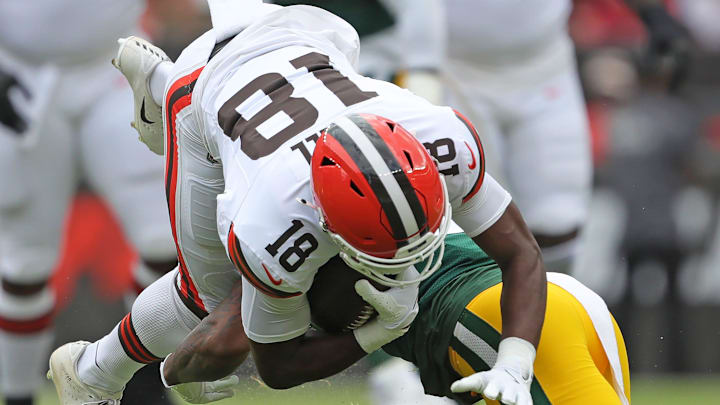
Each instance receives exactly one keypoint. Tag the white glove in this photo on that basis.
(510, 378)
(203, 392)
(396, 308)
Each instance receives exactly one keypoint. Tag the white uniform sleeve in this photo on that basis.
(484, 208)
(478, 201)
(421, 31)
(271, 320)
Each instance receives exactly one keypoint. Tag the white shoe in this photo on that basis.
(70, 390)
(136, 60)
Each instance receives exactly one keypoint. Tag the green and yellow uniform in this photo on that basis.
(458, 328)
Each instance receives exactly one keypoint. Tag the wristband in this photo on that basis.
(162, 373)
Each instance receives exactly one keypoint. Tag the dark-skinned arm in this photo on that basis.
(215, 348)
(218, 345)
(312, 357)
(306, 358)
(524, 292)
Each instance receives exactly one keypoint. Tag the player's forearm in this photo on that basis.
(524, 297)
(510, 243)
(304, 359)
(214, 349)
(197, 362)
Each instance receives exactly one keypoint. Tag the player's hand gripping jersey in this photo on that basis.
(257, 108)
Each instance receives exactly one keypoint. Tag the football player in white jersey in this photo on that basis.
(511, 66)
(65, 120)
(280, 156)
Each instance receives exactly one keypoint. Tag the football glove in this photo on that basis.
(203, 392)
(396, 308)
(509, 380)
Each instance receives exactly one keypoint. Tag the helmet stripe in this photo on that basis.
(381, 193)
(384, 174)
(394, 165)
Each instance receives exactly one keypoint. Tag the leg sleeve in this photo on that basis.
(158, 322)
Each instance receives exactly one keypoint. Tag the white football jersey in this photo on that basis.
(66, 30)
(258, 106)
(481, 30)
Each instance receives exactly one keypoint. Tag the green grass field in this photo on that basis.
(646, 390)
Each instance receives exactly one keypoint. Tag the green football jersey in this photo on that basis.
(466, 271)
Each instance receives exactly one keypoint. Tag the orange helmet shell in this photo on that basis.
(375, 184)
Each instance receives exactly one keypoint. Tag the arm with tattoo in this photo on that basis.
(306, 358)
(214, 349)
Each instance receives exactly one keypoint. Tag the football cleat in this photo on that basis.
(70, 389)
(136, 60)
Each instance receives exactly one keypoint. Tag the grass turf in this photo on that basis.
(646, 390)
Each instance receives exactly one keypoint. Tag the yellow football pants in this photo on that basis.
(571, 367)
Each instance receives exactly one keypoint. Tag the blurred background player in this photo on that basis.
(511, 65)
(646, 132)
(65, 122)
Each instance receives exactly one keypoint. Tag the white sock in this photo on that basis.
(23, 360)
(158, 79)
(25, 341)
(105, 365)
(158, 322)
